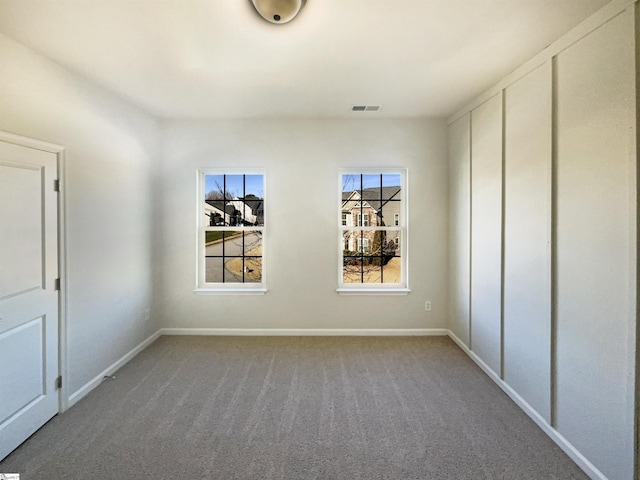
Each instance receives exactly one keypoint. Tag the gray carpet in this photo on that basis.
(294, 408)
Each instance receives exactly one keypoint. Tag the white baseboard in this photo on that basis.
(93, 383)
(326, 332)
(567, 447)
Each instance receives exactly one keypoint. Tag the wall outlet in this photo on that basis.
(427, 306)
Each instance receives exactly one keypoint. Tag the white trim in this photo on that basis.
(599, 18)
(30, 142)
(202, 287)
(63, 338)
(373, 291)
(401, 288)
(308, 332)
(110, 370)
(230, 291)
(589, 468)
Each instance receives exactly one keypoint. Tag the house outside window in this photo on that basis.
(344, 218)
(231, 231)
(373, 250)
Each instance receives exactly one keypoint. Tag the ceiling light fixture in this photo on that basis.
(278, 11)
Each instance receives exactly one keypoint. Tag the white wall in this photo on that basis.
(596, 244)
(564, 323)
(302, 158)
(460, 226)
(486, 237)
(110, 147)
(527, 234)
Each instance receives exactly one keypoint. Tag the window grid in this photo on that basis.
(234, 231)
(359, 259)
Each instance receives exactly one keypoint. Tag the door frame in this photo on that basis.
(59, 151)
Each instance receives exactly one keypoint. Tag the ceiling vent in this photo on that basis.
(366, 108)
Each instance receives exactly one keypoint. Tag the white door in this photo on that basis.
(28, 295)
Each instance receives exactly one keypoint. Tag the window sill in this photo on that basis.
(230, 291)
(373, 291)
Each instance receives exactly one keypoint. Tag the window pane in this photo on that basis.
(253, 269)
(390, 213)
(391, 261)
(350, 184)
(352, 269)
(234, 186)
(215, 214)
(254, 186)
(213, 270)
(253, 243)
(350, 241)
(371, 256)
(254, 198)
(390, 185)
(213, 187)
(364, 269)
(371, 183)
(233, 256)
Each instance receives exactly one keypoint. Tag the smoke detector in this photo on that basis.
(278, 11)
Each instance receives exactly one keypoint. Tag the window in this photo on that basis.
(363, 245)
(231, 231)
(363, 220)
(344, 218)
(373, 249)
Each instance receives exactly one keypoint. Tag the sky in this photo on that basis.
(254, 184)
(351, 182)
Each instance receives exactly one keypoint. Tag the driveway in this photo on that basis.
(232, 248)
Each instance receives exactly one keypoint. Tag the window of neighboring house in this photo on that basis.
(231, 231)
(362, 219)
(373, 257)
(344, 219)
(363, 245)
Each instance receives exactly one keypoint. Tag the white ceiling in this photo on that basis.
(219, 59)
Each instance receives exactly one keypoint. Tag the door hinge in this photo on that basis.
(59, 382)
(57, 284)
(56, 185)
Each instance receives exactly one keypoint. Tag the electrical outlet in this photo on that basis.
(427, 306)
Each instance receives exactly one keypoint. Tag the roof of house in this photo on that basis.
(372, 196)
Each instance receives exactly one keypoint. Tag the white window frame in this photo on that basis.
(203, 287)
(402, 287)
(344, 219)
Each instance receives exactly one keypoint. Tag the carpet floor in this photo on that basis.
(352, 408)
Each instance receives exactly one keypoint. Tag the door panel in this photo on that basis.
(20, 347)
(20, 186)
(28, 298)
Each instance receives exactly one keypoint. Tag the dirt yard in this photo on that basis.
(391, 273)
(253, 266)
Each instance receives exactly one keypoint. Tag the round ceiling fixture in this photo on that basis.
(278, 11)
